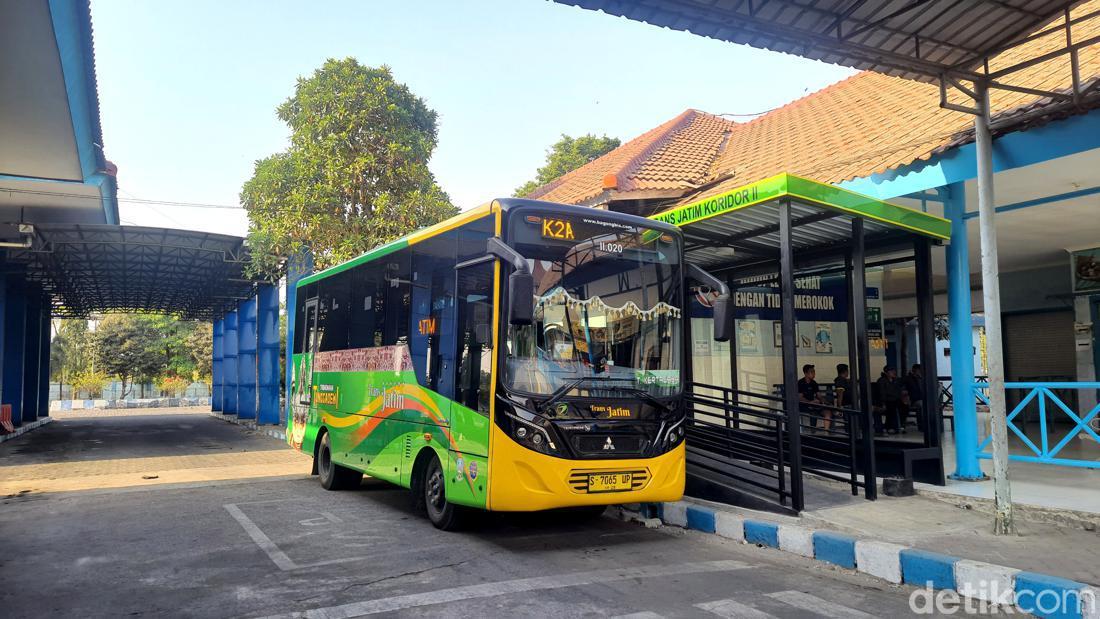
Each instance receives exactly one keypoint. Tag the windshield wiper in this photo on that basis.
(648, 397)
(560, 393)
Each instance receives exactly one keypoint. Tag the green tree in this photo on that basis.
(70, 350)
(356, 172)
(566, 155)
(130, 347)
(200, 348)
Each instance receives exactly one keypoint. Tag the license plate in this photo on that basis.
(610, 483)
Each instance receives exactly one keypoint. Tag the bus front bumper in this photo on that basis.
(523, 480)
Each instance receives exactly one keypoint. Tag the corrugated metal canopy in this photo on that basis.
(84, 269)
(915, 39)
(752, 234)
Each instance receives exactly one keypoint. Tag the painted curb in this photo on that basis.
(271, 431)
(1039, 594)
(27, 427)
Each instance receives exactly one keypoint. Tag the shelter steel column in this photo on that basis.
(926, 318)
(858, 301)
(216, 370)
(790, 359)
(229, 364)
(246, 359)
(991, 297)
(960, 324)
(14, 326)
(267, 363)
(32, 342)
(44, 362)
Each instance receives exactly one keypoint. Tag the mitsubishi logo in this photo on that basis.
(609, 446)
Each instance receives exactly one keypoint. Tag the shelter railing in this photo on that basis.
(739, 435)
(1049, 398)
(745, 436)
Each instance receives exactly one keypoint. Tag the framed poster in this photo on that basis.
(777, 334)
(748, 337)
(823, 338)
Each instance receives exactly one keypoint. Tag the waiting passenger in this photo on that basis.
(809, 393)
(891, 390)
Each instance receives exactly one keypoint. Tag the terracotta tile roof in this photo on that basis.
(677, 155)
(866, 124)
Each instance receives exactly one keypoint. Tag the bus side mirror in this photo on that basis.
(723, 319)
(521, 294)
(721, 306)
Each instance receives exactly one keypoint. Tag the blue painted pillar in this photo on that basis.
(229, 364)
(44, 362)
(32, 342)
(298, 266)
(246, 359)
(958, 316)
(216, 372)
(14, 327)
(267, 362)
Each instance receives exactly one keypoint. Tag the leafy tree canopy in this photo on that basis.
(356, 172)
(566, 155)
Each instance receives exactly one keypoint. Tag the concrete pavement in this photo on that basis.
(279, 545)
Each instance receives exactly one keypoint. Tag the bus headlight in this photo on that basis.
(531, 435)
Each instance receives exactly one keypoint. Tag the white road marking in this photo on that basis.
(262, 540)
(732, 609)
(645, 614)
(814, 604)
(505, 587)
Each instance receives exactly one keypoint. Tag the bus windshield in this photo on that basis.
(607, 309)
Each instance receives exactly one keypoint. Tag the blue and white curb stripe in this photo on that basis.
(1039, 594)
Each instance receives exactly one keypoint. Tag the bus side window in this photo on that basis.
(475, 316)
(333, 313)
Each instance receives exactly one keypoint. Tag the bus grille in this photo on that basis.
(578, 478)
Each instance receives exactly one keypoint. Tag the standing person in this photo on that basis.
(891, 390)
(842, 387)
(809, 393)
(914, 386)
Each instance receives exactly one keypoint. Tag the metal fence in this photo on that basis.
(1053, 403)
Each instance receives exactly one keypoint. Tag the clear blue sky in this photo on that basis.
(188, 88)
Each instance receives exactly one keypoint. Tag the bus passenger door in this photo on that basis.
(473, 371)
(302, 433)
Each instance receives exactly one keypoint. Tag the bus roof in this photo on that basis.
(504, 204)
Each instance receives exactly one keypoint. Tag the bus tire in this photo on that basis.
(334, 476)
(442, 513)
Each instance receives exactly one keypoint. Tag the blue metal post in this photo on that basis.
(14, 326)
(216, 371)
(962, 358)
(298, 266)
(32, 340)
(246, 359)
(229, 364)
(44, 363)
(267, 362)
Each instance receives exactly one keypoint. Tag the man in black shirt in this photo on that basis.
(808, 391)
(914, 386)
(842, 386)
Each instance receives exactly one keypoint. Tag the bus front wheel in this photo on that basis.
(443, 514)
(334, 476)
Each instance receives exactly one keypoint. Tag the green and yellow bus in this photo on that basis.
(521, 356)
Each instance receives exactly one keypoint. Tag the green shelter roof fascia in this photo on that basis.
(806, 190)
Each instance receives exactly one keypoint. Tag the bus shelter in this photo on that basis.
(809, 267)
